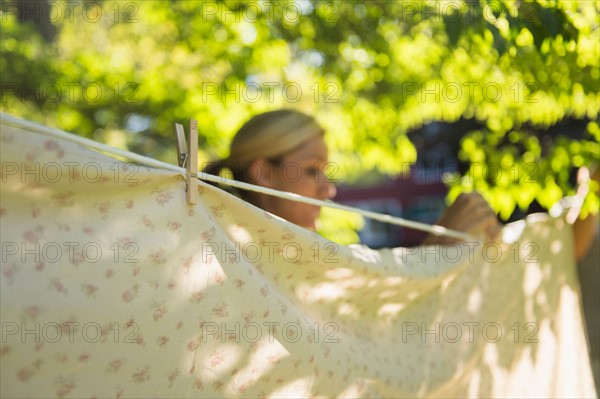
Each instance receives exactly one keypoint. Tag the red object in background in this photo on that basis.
(419, 197)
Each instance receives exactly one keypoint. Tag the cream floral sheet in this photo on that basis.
(113, 286)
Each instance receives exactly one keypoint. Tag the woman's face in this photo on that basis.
(301, 171)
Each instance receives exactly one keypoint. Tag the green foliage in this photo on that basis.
(370, 72)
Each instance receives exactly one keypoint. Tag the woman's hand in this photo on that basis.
(471, 214)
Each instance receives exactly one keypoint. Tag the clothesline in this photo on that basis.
(432, 229)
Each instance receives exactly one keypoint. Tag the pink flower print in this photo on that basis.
(129, 204)
(74, 174)
(217, 358)
(105, 329)
(31, 156)
(220, 311)
(58, 286)
(140, 340)
(218, 278)
(297, 363)
(141, 375)
(172, 376)
(5, 350)
(104, 208)
(35, 212)
(127, 296)
(64, 389)
(248, 317)
(89, 290)
(174, 226)
(158, 257)
(163, 198)
(291, 334)
(239, 284)
(124, 240)
(114, 365)
(244, 387)
(40, 266)
(87, 230)
(198, 384)
(2, 211)
(130, 324)
(192, 345)
(109, 273)
(171, 285)
(31, 236)
(287, 235)
(84, 357)
(196, 297)
(63, 200)
(264, 291)
(51, 145)
(206, 235)
(162, 341)
(24, 374)
(186, 263)
(217, 210)
(218, 385)
(179, 325)
(147, 223)
(273, 359)
(69, 326)
(78, 258)
(159, 312)
(9, 272)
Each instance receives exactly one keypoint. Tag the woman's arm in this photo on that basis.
(584, 230)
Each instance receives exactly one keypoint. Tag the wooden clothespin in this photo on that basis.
(188, 158)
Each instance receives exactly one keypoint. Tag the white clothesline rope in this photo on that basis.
(433, 229)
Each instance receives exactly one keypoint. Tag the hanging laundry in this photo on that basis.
(113, 286)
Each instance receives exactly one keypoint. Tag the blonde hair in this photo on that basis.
(269, 135)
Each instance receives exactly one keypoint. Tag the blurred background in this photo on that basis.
(422, 100)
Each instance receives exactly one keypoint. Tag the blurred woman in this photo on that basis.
(285, 150)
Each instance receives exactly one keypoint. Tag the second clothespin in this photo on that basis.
(188, 158)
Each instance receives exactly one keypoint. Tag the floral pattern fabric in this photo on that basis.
(113, 286)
